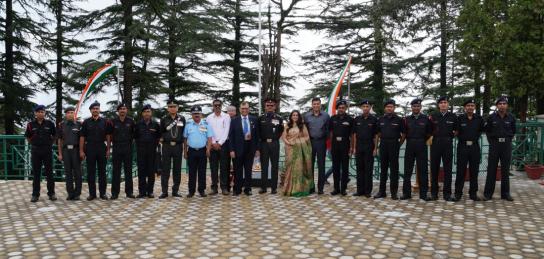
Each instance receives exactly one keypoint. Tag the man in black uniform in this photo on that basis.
(68, 152)
(271, 128)
(364, 144)
(147, 135)
(444, 129)
(121, 130)
(340, 126)
(40, 133)
(470, 128)
(500, 128)
(91, 145)
(418, 130)
(391, 134)
(172, 126)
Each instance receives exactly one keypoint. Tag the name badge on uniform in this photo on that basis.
(469, 143)
(172, 143)
(502, 139)
(338, 138)
(180, 124)
(269, 140)
(275, 122)
(345, 123)
(203, 129)
(70, 146)
(449, 122)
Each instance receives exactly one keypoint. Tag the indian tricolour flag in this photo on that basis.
(91, 86)
(331, 107)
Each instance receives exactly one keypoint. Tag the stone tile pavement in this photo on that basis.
(270, 226)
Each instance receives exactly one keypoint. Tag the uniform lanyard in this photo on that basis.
(174, 130)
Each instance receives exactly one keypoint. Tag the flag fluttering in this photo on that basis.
(91, 86)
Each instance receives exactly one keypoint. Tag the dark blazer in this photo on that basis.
(237, 138)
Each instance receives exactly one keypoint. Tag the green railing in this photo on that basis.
(527, 148)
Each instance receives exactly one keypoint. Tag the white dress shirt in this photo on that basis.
(220, 126)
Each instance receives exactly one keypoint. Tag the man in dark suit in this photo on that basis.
(244, 144)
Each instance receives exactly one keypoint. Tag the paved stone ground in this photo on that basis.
(271, 226)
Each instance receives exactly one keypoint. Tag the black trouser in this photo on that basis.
(121, 158)
(72, 171)
(243, 167)
(171, 153)
(270, 153)
(319, 151)
(389, 159)
(196, 160)
(42, 155)
(416, 152)
(220, 167)
(340, 164)
(498, 151)
(96, 157)
(441, 150)
(146, 153)
(467, 155)
(365, 163)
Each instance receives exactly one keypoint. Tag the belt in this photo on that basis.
(503, 140)
(416, 139)
(70, 146)
(197, 149)
(389, 139)
(312, 138)
(269, 140)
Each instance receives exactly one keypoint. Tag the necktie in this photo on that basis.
(246, 126)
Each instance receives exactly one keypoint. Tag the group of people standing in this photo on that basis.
(228, 138)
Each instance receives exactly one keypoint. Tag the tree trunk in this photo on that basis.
(443, 46)
(377, 60)
(477, 91)
(237, 56)
(128, 54)
(172, 54)
(9, 113)
(59, 78)
(486, 100)
(540, 105)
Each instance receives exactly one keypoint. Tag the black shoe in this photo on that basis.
(320, 192)
(140, 196)
(357, 194)
(475, 198)
(150, 196)
(262, 191)
(507, 197)
(34, 199)
(76, 198)
(248, 193)
(214, 191)
(130, 196)
(69, 198)
(190, 195)
(114, 196)
(367, 195)
(52, 197)
(424, 198)
(457, 197)
(344, 193)
(274, 191)
(224, 192)
(90, 198)
(104, 197)
(448, 198)
(380, 195)
(202, 194)
(434, 197)
(487, 198)
(176, 194)
(235, 194)
(394, 196)
(312, 191)
(335, 192)
(405, 197)
(163, 196)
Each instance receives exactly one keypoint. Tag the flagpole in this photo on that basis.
(260, 56)
(349, 87)
(118, 81)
